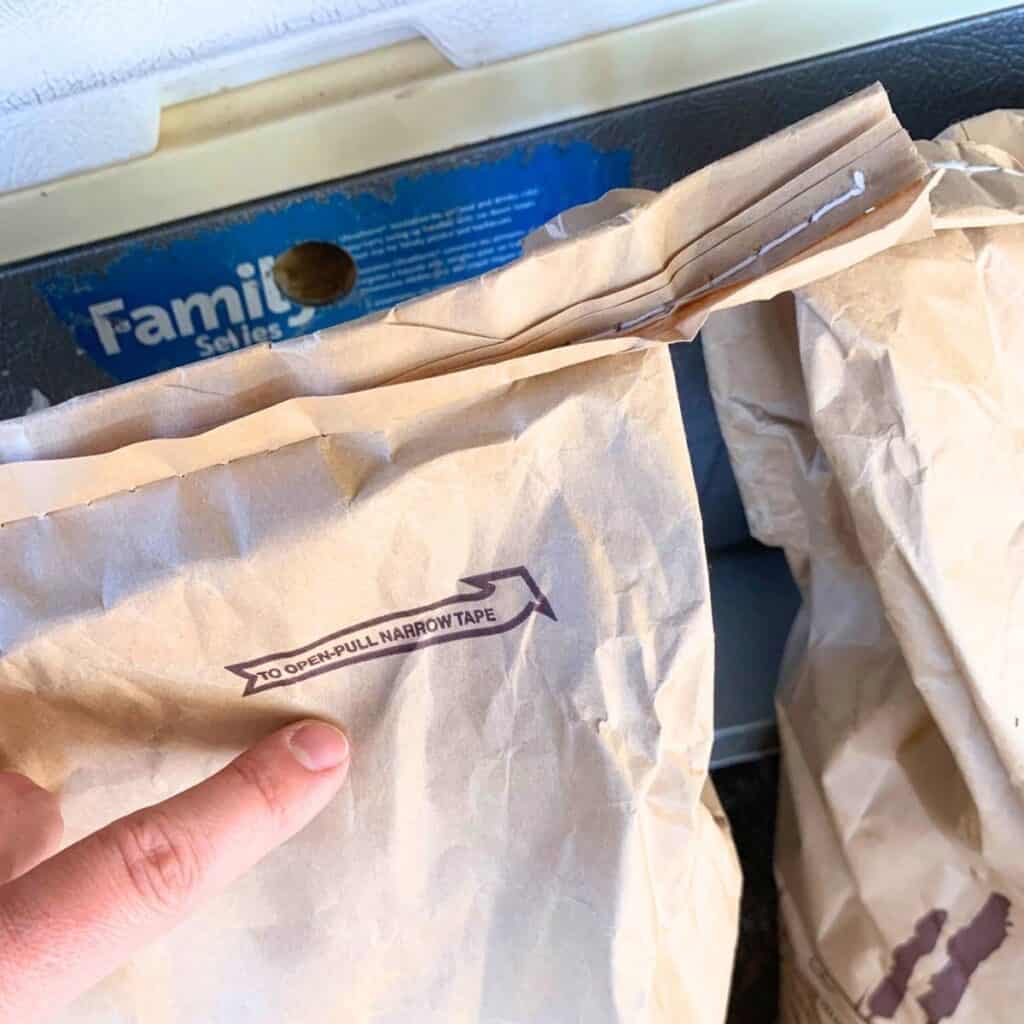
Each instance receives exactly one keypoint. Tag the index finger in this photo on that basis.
(76, 917)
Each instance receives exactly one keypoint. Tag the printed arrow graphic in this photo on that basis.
(496, 602)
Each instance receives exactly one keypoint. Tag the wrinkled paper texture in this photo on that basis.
(874, 422)
(528, 833)
(468, 532)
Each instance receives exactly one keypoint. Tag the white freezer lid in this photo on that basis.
(406, 100)
(82, 82)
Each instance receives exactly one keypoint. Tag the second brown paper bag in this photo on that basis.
(874, 424)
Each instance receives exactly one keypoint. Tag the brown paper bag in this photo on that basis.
(495, 581)
(875, 428)
(484, 559)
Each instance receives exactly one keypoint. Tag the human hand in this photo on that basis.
(66, 921)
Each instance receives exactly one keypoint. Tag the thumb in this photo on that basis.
(76, 917)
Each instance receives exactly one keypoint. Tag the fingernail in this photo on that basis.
(318, 746)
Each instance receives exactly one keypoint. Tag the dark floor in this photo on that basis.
(748, 794)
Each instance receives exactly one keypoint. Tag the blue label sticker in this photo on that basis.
(158, 305)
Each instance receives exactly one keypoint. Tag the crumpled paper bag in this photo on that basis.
(874, 422)
(494, 580)
(468, 532)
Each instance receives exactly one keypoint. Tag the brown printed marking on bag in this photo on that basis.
(968, 948)
(890, 993)
(497, 602)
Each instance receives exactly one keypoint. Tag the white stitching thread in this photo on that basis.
(858, 188)
(652, 314)
(972, 169)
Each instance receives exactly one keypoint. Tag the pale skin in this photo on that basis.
(69, 919)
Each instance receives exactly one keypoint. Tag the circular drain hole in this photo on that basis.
(315, 273)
